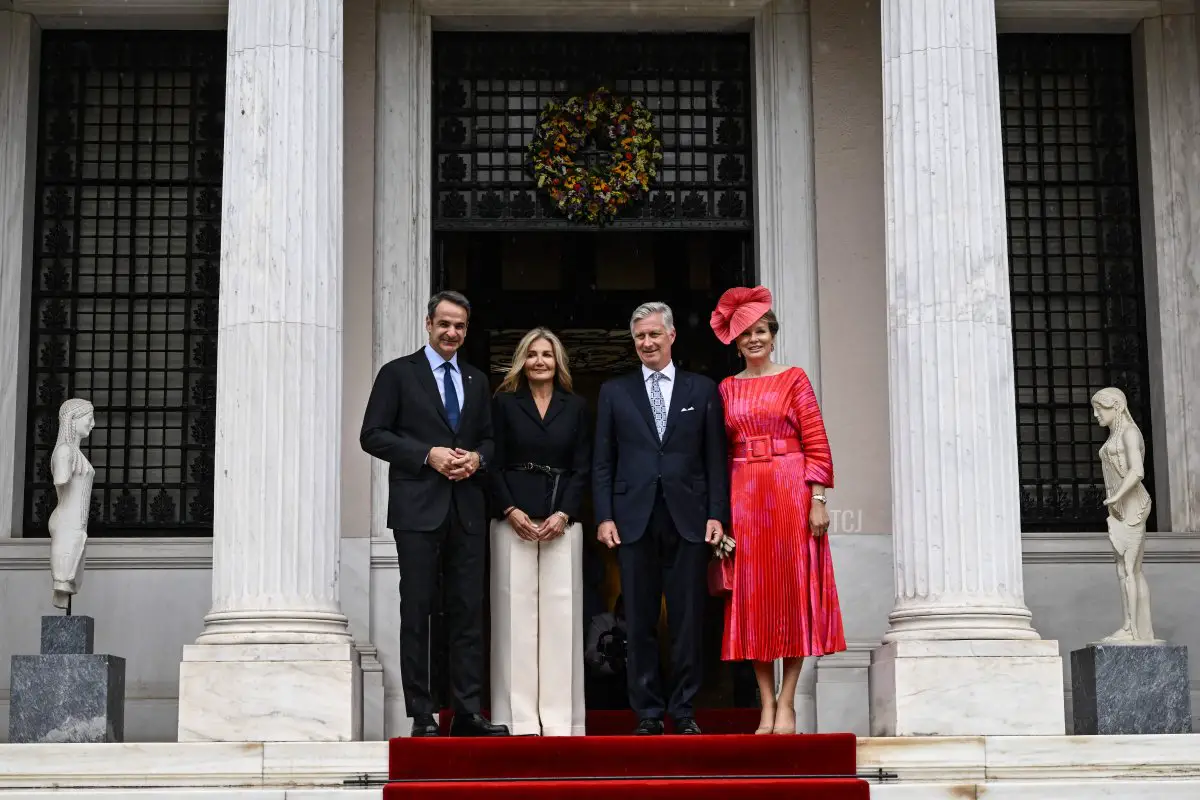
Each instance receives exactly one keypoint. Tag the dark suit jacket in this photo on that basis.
(562, 440)
(690, 463)
(405, 417)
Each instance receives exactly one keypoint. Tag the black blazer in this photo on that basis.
(690, 463)
(560, 441)
(405, 418)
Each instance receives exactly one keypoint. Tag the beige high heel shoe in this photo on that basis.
(785, 730)
(761, 729)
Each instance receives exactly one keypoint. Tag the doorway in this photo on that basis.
(498, 239)
(584, 286)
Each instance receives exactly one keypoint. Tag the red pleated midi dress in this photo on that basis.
(784, 602)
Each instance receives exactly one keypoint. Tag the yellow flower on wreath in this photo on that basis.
(635, 149)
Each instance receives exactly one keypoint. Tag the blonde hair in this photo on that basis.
(515, 377)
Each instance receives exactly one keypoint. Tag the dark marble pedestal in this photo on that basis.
(1130, 689)
(67, 694)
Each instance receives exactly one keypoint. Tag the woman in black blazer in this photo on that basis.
(541, 464)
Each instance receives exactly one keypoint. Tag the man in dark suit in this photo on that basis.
(429, 417)
(661, 494)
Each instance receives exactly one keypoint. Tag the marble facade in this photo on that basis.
(313, 606)
(19, 55)
(960, 633)
(276, 658)
(1168, 48)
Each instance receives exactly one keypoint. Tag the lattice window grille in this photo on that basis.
(126, 272)
(1079, 320)
(489, 88)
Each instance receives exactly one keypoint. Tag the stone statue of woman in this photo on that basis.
(72, 475)
(1122, 459)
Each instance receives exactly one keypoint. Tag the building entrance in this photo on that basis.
(498, 239)
(584, 287)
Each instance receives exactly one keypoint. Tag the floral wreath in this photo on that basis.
(594, 194)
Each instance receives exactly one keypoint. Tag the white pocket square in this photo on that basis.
(689, 408)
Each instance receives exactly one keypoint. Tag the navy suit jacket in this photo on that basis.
(629, 462)
(405, 417)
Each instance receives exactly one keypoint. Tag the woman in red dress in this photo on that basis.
(784, 603)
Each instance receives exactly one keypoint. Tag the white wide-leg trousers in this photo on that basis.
(537, 632)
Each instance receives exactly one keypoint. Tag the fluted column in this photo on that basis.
(276, 654)
(955, 502)
(279, 362)
(785, 181)
(19, 38)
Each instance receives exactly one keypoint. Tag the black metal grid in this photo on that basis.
(1079, 310)
(490, 87)
(126, 271)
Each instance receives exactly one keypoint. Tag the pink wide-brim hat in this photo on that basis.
(738, 309)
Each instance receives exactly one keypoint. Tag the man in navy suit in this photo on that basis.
(429, 418)
(661, 495)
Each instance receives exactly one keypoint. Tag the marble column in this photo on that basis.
(960, 645)
(275, 661)
(1169, 164)
(785, 181)
(19, 37)
(403, 173)
(785, 202)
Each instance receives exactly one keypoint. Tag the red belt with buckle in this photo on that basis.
(764, 448)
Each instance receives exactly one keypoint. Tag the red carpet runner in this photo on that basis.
(812, 767)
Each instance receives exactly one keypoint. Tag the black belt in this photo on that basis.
(549, 472)
(529, 467)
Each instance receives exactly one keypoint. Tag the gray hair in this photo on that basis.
(450, 297)
(650, 309)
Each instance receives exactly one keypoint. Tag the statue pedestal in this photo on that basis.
(1130, 689)
(67, 694)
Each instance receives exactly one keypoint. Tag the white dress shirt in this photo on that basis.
(439, 377)
(666, 386)
(435, 363)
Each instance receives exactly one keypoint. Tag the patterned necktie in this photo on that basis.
(451, 395)
(657, 405)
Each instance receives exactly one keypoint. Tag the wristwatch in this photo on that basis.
(819, 498)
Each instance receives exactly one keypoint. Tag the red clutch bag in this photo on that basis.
(720, 576)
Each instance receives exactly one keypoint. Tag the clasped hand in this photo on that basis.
(551, 528)
(455, 463)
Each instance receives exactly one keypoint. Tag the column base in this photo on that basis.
(270, 693)
(967, 688)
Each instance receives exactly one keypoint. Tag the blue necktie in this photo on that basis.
(451, 395)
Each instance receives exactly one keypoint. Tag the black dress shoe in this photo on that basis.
(649, 727)
(476, 725)
(425, 725)
(686, 726)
